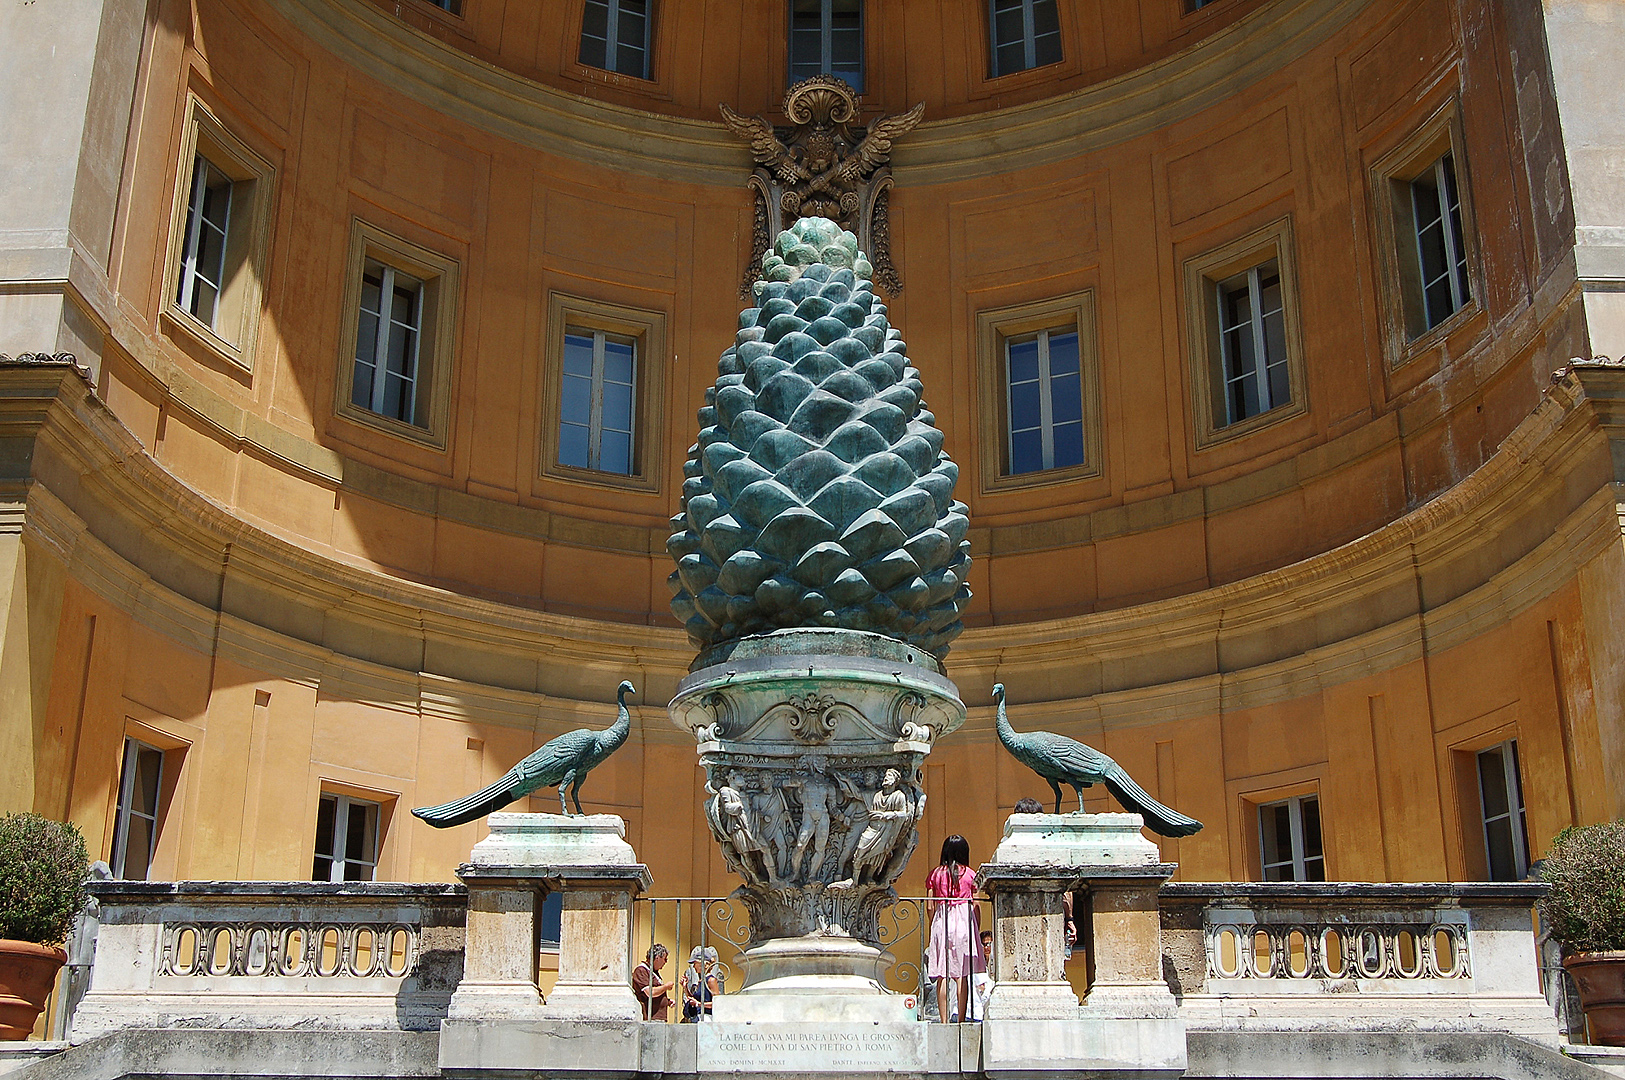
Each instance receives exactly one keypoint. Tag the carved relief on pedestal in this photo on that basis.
(826, 165)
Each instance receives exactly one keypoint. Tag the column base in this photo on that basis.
(591, 1001)
(1032, 1001)
(495, 1000)
(1130, 1001)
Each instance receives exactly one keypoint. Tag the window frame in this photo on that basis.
(648, 329)
(995, 328)
(231, 335)
(339, 857)
(1204, 274)
(119, 851)
(1029, 38)
(1391, 180)
(439, 277)
(1297, 860)
(826, 38)
(1517, 812)
(612, 39)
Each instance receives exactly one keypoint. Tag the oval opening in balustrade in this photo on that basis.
(293, 951)
(220, 951)
(327, 951)
(1297, 954)
(397, 957)
(258, 959)
(1333, 961)
(1407, 954)
(1227, 952)
(184, 960)
(1444, 952)
(1369, 958)
(361, 956)
(1263, 954)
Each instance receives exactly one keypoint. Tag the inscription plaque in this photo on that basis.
(811, 1047)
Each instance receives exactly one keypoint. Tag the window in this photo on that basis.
(135, 823)
(603, 378)
(1252, 341)
(1044, 396)
(1440, 252)
(398, 335)
(1025, 34)
(453, 6)
(595, 413)
(1043, 425)
(1246, 356)
(1289, 840)
(826, 38)
(346, 839)
(615, 36)
(203, 252)
(1424, 225)
(1500, 792)
(386, 345)
(218, 239)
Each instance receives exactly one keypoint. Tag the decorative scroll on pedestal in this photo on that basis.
(827, 165)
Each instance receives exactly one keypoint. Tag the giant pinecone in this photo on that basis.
(818, 493)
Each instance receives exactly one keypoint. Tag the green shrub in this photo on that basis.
(43, 867)
(1585, 910)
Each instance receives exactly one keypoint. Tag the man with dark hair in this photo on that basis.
(1029, 805)
(654, 996)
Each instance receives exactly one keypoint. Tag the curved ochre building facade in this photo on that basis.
(213, 551)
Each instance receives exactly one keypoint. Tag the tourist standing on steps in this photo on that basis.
(981, 984)
(701, 983)
(953, 955)
(652, 994)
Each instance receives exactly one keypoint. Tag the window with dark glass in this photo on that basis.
(598, 401)
(346, 839)
(826, 38)
(1044, 401)
(1025, 34)
(1289, 840)
(1500, 791)
(1441, 253)
(387, 343)
(615, 36)
(203, 249)
(135, 823)
(1252, 343)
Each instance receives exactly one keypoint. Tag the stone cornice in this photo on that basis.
(1509, 535)
(989, 143)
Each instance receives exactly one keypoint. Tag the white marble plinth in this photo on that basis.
(1031, 1001)
(545, 840)
(1084, 1047)
(1076, 840)
(809, 1047)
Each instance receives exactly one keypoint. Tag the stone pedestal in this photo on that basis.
(525, 857)
(812, 741)
(1034, 1024)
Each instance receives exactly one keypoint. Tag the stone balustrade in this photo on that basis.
(1236, 956)
(1289, 955)
(351, 955)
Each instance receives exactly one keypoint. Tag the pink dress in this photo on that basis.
(955, 926)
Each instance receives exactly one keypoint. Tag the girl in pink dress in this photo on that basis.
(955, 925)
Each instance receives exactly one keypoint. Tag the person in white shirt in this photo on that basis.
(981, 983)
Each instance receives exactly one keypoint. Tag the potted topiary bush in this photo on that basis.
(43, 867)
(1585, 913)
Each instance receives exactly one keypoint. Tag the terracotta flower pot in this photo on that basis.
(1600, 978)
(27, 973)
